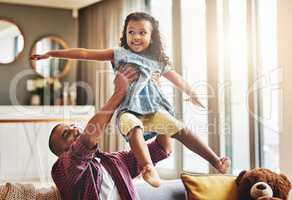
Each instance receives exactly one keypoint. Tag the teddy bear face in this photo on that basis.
(279, 183)
(268, 198)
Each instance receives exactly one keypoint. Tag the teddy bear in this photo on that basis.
(262, 184)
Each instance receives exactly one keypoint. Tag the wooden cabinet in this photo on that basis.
(24, 135)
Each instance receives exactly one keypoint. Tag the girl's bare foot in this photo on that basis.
(222, 165)
(150, 175)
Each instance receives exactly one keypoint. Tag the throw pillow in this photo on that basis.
(209, 187)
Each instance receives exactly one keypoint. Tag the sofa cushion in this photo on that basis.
(12, 191)
(209, 187)
(169, 190)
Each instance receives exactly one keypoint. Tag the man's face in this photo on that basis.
(139, 35)
(64, 136)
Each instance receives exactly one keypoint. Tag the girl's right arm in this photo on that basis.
(183, 86)
(77, 53)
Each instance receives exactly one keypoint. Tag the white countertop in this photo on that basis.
(44, 112)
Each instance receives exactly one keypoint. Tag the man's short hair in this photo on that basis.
(51, 144)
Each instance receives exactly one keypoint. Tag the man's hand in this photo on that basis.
(39, 56)
(156, 78)
(124, 78)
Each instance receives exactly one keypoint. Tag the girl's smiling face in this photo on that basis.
(139, 35)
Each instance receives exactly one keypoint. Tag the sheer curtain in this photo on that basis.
(246, 81)
(228, 47)
(100, 27)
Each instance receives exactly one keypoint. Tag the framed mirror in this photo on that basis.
(53, 68)
(11, 41)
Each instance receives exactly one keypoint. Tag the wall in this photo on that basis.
(35, 22)
(285, 61)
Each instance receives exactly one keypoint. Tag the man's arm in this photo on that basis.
(72, 164)
(78, 53)
(97, 124)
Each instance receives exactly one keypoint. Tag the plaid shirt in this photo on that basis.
(77, 174)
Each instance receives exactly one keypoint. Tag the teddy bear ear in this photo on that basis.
(285, 178)
(239, 177)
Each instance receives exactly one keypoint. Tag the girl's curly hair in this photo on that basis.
(155, 48)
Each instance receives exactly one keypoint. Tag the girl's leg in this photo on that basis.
(194, 143)
(141, 152)
(164, 123)
(132, 127)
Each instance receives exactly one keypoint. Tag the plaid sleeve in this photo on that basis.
(71, 165)
(80, 151)
(157, 153)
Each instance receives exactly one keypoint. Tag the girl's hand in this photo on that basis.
(195, 100)
(222, 164)
(39, 57)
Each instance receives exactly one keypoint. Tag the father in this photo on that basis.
(82, 171)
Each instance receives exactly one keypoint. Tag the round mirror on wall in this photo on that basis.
(11, 41)
(53, 68)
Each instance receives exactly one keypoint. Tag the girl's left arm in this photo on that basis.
(183, 86)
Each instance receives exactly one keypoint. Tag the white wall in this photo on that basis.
(285, 61)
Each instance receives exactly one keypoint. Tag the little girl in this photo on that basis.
(145, 108)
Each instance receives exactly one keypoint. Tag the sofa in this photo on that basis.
(190, 186)
(169, 190)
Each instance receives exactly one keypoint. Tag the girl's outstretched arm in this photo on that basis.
(183, 86)
(77, 53)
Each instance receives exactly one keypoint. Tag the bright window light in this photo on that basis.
(270, 90)
(165, 24)
(195, 72)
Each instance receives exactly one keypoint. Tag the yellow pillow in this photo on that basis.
(209, 187)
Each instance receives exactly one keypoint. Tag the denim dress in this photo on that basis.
(144, 95)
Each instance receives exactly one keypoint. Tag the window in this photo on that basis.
(269, 90)
(247, 63)
(233, 67)
(238, 46)
(194, 72)
(165, 19)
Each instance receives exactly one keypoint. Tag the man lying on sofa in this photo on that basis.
(82, 171)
